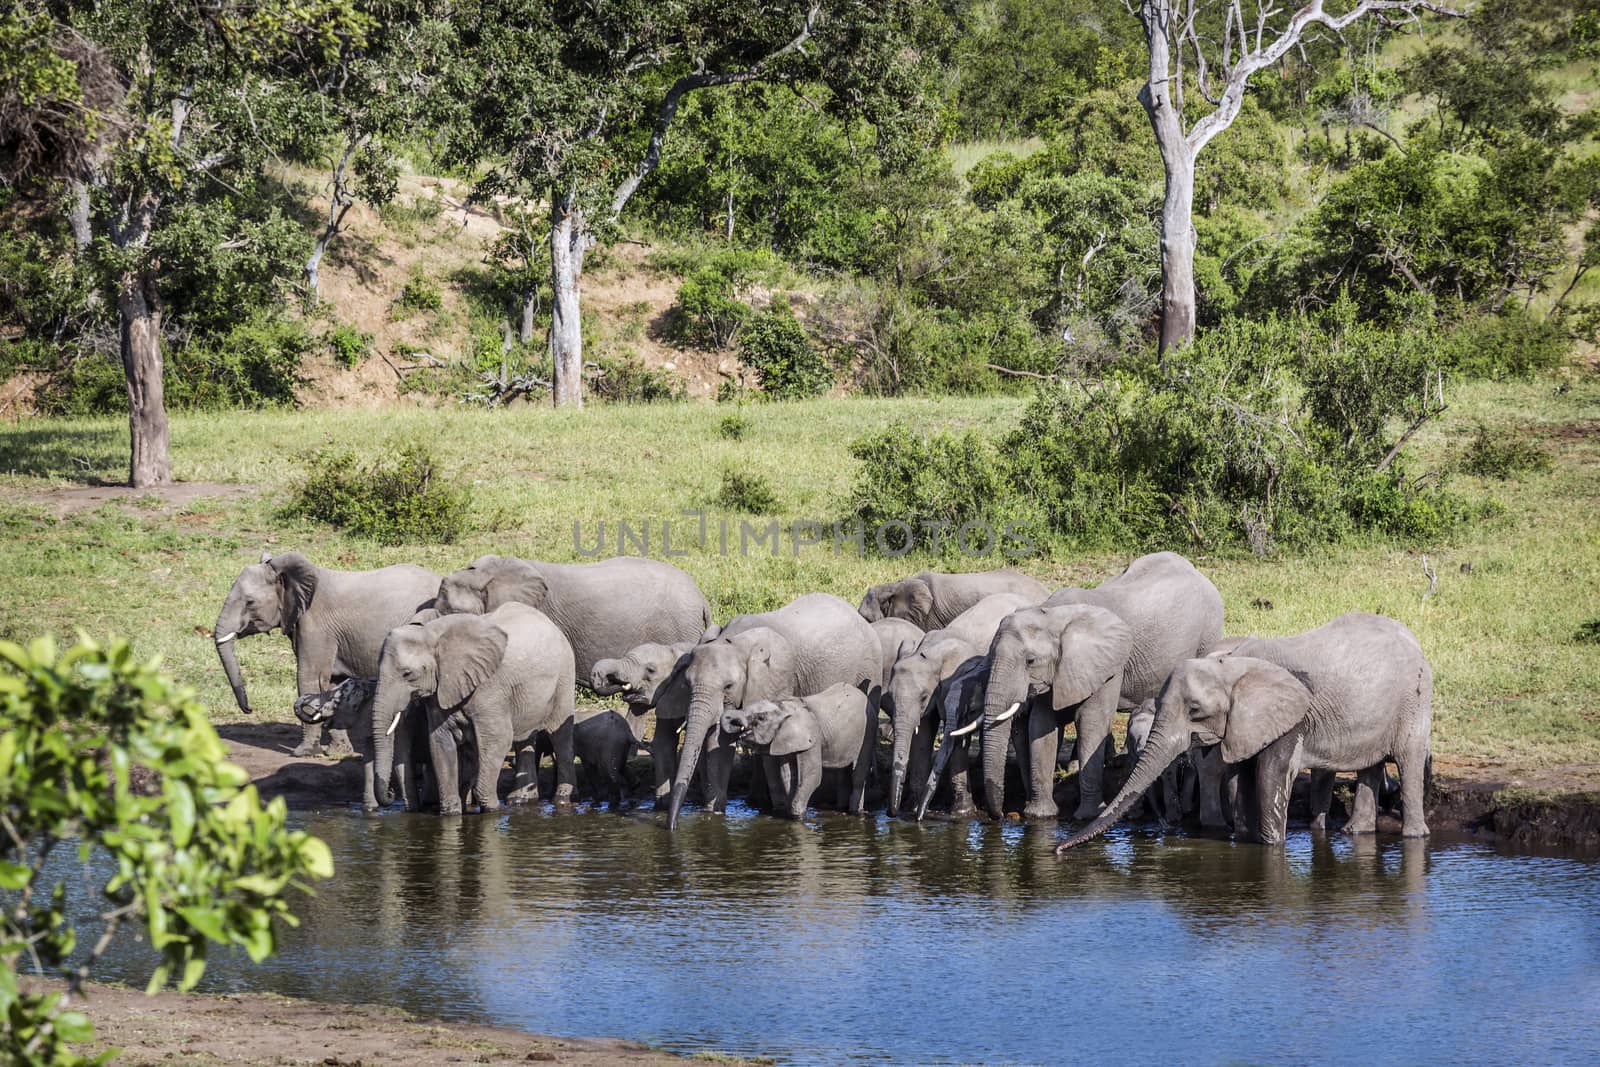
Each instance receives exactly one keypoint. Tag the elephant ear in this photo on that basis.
(467, 652)
(297, 584)
(768, 665)
(1095, 644)
(960, 695)
(515, 581)
(1266, 702)
(915, 598)
(797, 730)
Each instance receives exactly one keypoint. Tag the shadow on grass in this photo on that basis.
(88, 455)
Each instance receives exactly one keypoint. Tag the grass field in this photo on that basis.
(1516, 693)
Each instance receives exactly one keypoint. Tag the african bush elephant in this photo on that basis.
(1175, 792)
(893, 635)
(641, 677)
(931, 599)
(348, 707)
(912, 692)
(812, 642)
(1082, 654)
(800, 737)
(1345, 696)
(603, 741)
(491, 680)
(335, 620)
(603, 608)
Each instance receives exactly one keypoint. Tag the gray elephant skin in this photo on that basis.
(649, 677)
(603, 608)
(894, 635)
(603, 741)
(933, 599)
(335, 620)
(804, 647)
(914, 695)
(797, 738)
(1080, 656)
(492, 681)
(348, 707)
(1348, 695)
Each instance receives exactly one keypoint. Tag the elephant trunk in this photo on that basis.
(1008, 685)
(229, 623)
(906, 713)
(388, 704)
(611, 676)
(704, 711)
(941, 759)
(1159, 753)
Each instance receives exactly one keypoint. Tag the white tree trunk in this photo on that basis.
(1177, 255)
(142, 366)
(568, 242)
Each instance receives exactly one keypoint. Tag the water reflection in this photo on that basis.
(868, 938)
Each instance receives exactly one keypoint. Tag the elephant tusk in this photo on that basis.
(229, 636)
(962, 731)
(390, 730)
(1004, 715)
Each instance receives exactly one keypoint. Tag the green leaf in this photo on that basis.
(74, 1026)
(14, 875)
(316, 858)
(180, 809)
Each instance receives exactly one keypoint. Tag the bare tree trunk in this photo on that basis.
(339, 205)
(78, 216)
(530, 304)
(142, 365)
(727, 223)
(568, 242)
(1177, 255)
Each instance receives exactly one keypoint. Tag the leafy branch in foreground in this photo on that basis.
(100, 753)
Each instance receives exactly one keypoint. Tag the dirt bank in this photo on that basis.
(1554, 807)
(201, 1031)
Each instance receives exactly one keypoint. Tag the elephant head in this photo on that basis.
(912, 686)
(960, 700)
(730, 672)
(267, 596)
(340, 707)
(1241, 703)
(781, 728)
(1068, 652)
(443, 661)
(489, 581)
(910, 599)
(640, 675)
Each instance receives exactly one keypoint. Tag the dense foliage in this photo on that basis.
(398, 497)
(102, 755)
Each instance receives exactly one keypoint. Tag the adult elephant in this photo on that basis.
(894, 636)
(1081, 655)
(492, 681)
(932, 600)
(799, 649)
(604, 609)
(913, 693)
(1344, 697)
(335, 620)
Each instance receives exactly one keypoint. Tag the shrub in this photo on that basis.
(627, 380)
(708, 311)
(1512, 344)
(787, 365)
(1588, 632)
(419, 294)
(350, 345)
(733, 427)
(1502, 455)
(105, 755)
(746, 492)
(396, 498)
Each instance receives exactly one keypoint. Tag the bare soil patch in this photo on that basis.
(163, 499)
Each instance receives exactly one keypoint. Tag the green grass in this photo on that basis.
(1513, 687)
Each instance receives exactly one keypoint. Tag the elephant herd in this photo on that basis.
(436, 679)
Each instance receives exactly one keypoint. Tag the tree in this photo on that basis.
(1221, 70)
(576, 101)
(99, 753)
(190, 98)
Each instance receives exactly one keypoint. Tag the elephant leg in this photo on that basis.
(1413, 766)
(919, 762)
(1211, 779)
(961, 802)
(779, 773)
(369, 788)
(494, 741)
(807, 777)
(1364, 813)
(664, 757)
(716, 771)
(444, 761)
(1320, 798)
(310, 650)
(1276, 769)
(1094, 737)
(1044, 741)
(566, 774)
(759, 795)
(525, 780)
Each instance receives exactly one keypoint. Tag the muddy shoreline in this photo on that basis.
(1554, 808)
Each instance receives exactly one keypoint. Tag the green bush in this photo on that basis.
(350, 345)
(746, 492)
(627, 380)
(419, 294)
(398, 497)
(1502, 455)
(102, 754)
(1512, 344)
(787, 365)
(708, 311)
(733, 427)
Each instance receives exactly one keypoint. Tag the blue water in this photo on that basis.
(872, 940)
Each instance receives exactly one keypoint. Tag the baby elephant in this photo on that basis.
(603, 741)
(800, 737)
(348, 706)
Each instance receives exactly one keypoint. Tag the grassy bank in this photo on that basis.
(1515, 691)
